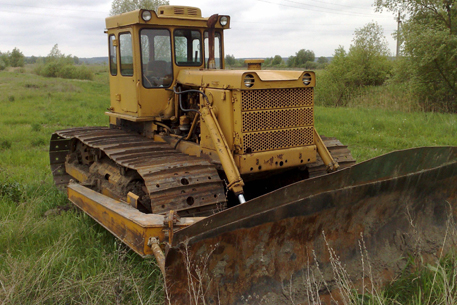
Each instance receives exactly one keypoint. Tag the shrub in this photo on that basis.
(5, 144)
(57, 64)
(11, 190)
(366, 64)
(2, 64)
(16, 58)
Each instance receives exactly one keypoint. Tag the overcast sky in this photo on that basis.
(259, 28)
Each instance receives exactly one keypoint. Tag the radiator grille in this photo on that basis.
(276, 119)
(277, 139)
(276, 98)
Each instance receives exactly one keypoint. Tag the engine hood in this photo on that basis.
(234, 79)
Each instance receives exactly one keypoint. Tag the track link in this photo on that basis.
(172, 180)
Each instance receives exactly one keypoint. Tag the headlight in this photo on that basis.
(307, 79)
(146, 15)
(249, 80)
(223, 21)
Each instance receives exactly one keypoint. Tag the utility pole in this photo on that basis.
(398, 34)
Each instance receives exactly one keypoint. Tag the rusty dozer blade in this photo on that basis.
(306, 238)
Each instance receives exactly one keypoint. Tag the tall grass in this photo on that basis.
(67, 258)
(63, 258)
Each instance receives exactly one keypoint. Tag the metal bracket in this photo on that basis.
(169, 222)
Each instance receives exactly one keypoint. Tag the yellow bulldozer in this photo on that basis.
(221, 175)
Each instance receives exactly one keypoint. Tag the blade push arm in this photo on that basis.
(325, 155)
(223, 151)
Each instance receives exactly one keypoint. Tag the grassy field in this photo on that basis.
(58, 259)
(69, 259)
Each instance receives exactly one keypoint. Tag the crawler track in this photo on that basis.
(163, 177)
(339, 152)
(172, 180)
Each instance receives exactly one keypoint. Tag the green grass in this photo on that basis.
(372, 132)
(68, 258)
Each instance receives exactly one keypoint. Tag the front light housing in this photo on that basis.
(146, 15)
(249, 80)
(307, 79)
(223, 21)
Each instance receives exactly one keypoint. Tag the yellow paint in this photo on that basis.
(224, 136)
(275, 160)
(125, 222)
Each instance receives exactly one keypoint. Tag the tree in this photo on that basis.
(291, 61)
(429, 35)
(4, 60)
(268, 61)
(124, 6)
(32, 59)
(230, 60)
(277, 60)
(322, 60)
(54, 54)
(369, 56)
(16, 58)
(366, 64)
(303, 56)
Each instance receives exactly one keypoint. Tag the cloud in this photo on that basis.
(259, 28)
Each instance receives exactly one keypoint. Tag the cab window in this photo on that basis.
(112, 55)
(188, 47)
(217, 50)
(126, 54)
(156, 58)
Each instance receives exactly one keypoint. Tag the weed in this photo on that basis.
(31, 86)
(5, 144)
(11, 98)
(11, 190)
(36, 127)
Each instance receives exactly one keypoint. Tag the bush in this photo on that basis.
(57, 64)
(5, 59)
(11, 190)
(16, 58)
(5, 144)
(310, 65)
(63, 70)
(429, 36)
(2, 64)
(366, 64)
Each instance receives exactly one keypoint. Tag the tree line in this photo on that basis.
(55, 64)
(426, 67)
(305, 59)
(14, 58)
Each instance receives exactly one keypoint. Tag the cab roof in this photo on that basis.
(165, 15)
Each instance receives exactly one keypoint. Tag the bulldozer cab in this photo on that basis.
(148, 49)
